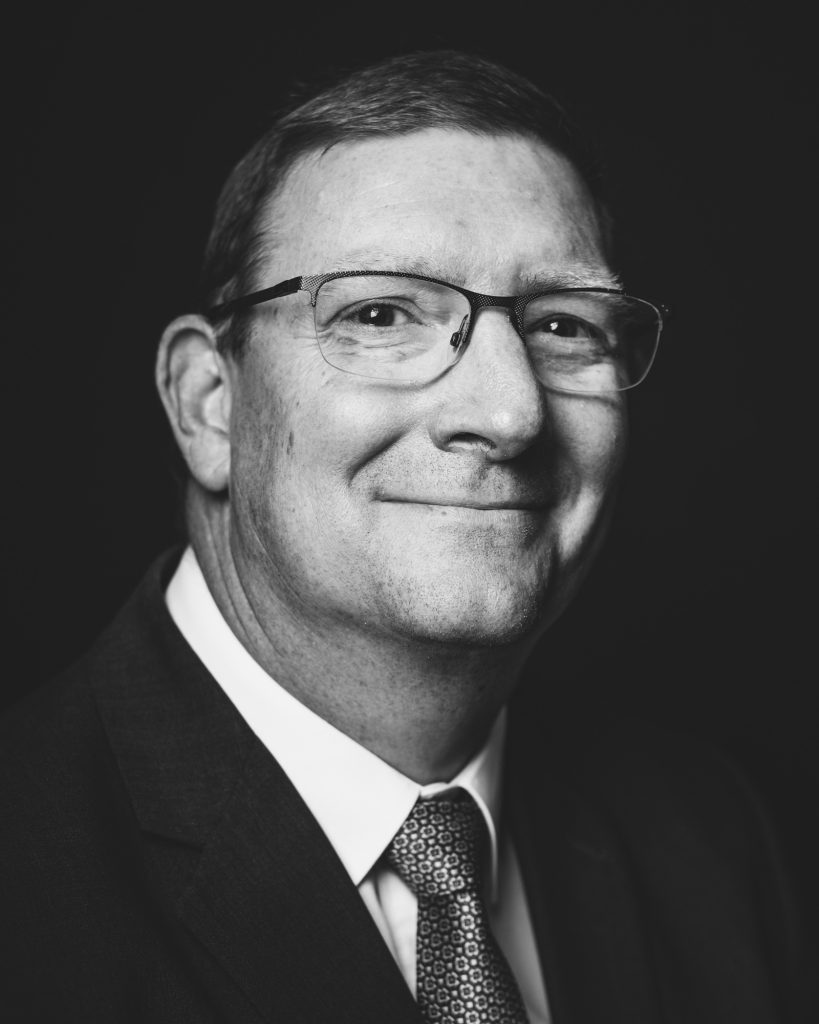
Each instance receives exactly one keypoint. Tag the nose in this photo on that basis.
(490, 401)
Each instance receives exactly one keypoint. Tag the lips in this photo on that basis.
(505, 504)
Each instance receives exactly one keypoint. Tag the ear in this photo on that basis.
(195, 388)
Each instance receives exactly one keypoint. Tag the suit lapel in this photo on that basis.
(586, 914)
(273, 903)
(247, 870)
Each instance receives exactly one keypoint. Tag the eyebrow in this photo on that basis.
(578, 274)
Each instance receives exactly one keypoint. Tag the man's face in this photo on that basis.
(461, 511)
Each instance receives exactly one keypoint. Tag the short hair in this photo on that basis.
(403, 94)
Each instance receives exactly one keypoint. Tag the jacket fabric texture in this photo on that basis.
(157, 865)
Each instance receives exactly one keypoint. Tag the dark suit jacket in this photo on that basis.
(157, 865)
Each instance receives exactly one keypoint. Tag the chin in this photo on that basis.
(500, 598)
(474, 612)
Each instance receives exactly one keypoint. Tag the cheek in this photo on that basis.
(302, 431)
(592, 437)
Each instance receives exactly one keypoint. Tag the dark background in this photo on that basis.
(119, 129)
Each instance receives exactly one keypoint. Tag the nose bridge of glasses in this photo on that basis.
(479, 302)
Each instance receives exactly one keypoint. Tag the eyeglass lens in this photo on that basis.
(405, 328)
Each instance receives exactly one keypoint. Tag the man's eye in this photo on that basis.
(565, 327)
(379, 314)
(570, 333)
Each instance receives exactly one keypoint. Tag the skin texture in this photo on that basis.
(390, 553)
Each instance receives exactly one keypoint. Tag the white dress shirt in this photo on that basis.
(359, 800)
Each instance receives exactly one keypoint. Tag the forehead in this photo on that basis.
(483, 211)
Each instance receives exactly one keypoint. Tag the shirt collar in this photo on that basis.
(359, 800)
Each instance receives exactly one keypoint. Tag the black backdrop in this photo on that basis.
(119, 129)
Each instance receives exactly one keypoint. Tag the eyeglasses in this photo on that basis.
(405, 327)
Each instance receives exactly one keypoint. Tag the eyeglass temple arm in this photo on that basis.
(224, 309)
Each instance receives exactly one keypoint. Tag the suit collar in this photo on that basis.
(261, 885)
(178, 743)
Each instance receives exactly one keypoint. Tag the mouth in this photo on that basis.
(472, 504)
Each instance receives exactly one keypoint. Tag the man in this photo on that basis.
(286, 784)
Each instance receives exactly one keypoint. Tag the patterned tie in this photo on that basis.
(462, 976)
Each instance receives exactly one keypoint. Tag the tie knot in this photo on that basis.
(438, 849)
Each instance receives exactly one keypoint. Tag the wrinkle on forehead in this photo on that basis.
(453, 267)
(499, 167)
(438, 201)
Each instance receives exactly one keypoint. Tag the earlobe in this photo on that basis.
(194, 385)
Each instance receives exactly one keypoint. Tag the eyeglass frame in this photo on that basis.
(477, 301)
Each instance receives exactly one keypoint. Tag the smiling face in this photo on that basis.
(462, 511)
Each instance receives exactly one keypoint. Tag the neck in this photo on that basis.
(423, 707)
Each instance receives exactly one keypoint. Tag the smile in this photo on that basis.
(510, 505)
(476, 510)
